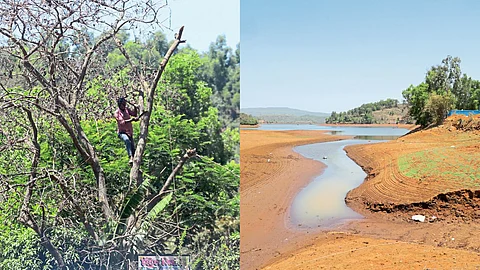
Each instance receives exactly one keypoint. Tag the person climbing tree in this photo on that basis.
(125, 116)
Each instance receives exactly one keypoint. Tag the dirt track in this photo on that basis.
(387, 238)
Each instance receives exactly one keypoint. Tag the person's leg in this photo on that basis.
(128, 143)
(132, 148)
(132, 145)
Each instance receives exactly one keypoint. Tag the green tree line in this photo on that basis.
(247, 119)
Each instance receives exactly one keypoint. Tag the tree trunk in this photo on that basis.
(135, 175)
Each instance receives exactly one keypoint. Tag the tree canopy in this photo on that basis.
(444, 88)
(69, 199)
(247, 119)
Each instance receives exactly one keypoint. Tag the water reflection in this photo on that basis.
(321, 203)
(338, 130)
(376, 138)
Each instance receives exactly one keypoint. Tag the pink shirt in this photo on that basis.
(123, 126)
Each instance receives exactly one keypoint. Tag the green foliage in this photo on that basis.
(417, 97)
(246, 119)
(219, 254)
(439, 105)
(203, 195)
(183, 91)
(221, 70)
(157, 209)
(362, 114)
(444, 88)
(19, 246)
(430, 166)
(445, 77)
(231, 139)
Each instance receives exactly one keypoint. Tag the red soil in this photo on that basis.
(387, 238)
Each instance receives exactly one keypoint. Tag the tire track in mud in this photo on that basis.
(387, 190)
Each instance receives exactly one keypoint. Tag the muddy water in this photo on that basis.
(321, 203)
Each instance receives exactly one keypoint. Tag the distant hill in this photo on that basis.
(286, 115)
(281, 111)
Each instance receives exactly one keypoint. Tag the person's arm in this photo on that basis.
(122, 121)
(133, 112)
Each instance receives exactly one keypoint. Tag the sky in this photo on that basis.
(325, 55)
(204, 21)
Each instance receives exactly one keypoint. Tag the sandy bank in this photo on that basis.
(338, 250)
(271, 175)
(427, 166)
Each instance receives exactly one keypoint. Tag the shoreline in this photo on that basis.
(269, 183)
(405, 126)
(412, 244)
(250, 126)
(288, 222)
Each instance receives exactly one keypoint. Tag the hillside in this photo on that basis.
(388, 111)
(281, 111)
(390, 115)
(286, 115)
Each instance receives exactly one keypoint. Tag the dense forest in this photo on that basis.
(444, 88)
(365, 114)
(69, 198)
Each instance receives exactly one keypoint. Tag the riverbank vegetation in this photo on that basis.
(444, 88)
(246, 119)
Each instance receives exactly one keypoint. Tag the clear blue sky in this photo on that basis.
(204, 21)
(325, 56)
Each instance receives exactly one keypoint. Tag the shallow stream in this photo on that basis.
(321, 204)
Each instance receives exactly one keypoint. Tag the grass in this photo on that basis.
(443, 163)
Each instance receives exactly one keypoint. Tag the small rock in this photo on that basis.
(268, 160)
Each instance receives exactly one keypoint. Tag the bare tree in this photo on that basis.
(48, 55)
